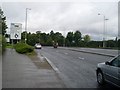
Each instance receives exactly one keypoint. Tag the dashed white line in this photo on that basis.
(57, 51)
(81, 58)
(66, 53)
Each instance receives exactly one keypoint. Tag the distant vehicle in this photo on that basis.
(55, 45)
(109, 72)
(38, 46)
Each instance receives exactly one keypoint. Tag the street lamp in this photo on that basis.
(104, 19)
(26, 24)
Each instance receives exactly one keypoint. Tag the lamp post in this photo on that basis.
(104, 19)
(26, 24)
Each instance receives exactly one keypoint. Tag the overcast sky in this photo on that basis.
(65, 16)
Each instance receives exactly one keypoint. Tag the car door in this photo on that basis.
(112, 71)
(119, 71)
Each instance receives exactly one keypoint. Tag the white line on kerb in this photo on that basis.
(53, 66)
(41, 59)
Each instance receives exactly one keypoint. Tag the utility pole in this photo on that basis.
(104, 19)
(26, 24)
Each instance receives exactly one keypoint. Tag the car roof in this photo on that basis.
(38, 43)
(115, 57)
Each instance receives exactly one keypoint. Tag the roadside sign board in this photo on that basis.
(15, 31)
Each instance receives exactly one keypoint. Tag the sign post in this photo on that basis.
(15, 31)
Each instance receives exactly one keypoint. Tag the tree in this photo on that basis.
(52, 35)
(38, 34)
(56, 38)
(3, 25)
(77, 37)
(59, 38)
(49, 41)
(23, 36)
(2, 44)
(119, 45)
(86, 38)
(43, 38)
(94, 44)
(32, 39)
(111, 43)
(69, 38)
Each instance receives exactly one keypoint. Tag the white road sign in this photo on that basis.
(15, 31)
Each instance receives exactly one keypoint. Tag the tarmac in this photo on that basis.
(20, 71)
(92, 52)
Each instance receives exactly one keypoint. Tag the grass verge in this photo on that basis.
(9, 46)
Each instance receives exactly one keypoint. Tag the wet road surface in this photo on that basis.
(77, 69)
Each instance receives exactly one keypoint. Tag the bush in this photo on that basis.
(2, 44)
(23, 48)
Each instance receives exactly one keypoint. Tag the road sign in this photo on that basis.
(16, 36)
(15, 31)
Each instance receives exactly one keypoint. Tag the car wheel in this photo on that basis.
(100, 78)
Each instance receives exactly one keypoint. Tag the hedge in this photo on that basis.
(2, 44)
(23, 48)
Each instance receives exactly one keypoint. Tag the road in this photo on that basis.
(101, 51)
(76, 69)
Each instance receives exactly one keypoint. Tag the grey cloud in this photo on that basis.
(65, 16)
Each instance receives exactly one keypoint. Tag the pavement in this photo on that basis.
(19, 71)
(76, 69)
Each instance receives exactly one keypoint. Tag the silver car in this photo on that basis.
(109, 72)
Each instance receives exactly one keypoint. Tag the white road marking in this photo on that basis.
(57, 51)
(53, 66)
(66, 53)
(81, 58)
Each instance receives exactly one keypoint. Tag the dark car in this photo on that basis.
(109, 72)
(55, 45)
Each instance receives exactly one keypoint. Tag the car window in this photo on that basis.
(116, 62)
(37, 44)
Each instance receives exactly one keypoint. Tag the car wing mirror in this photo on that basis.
(107, 63)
